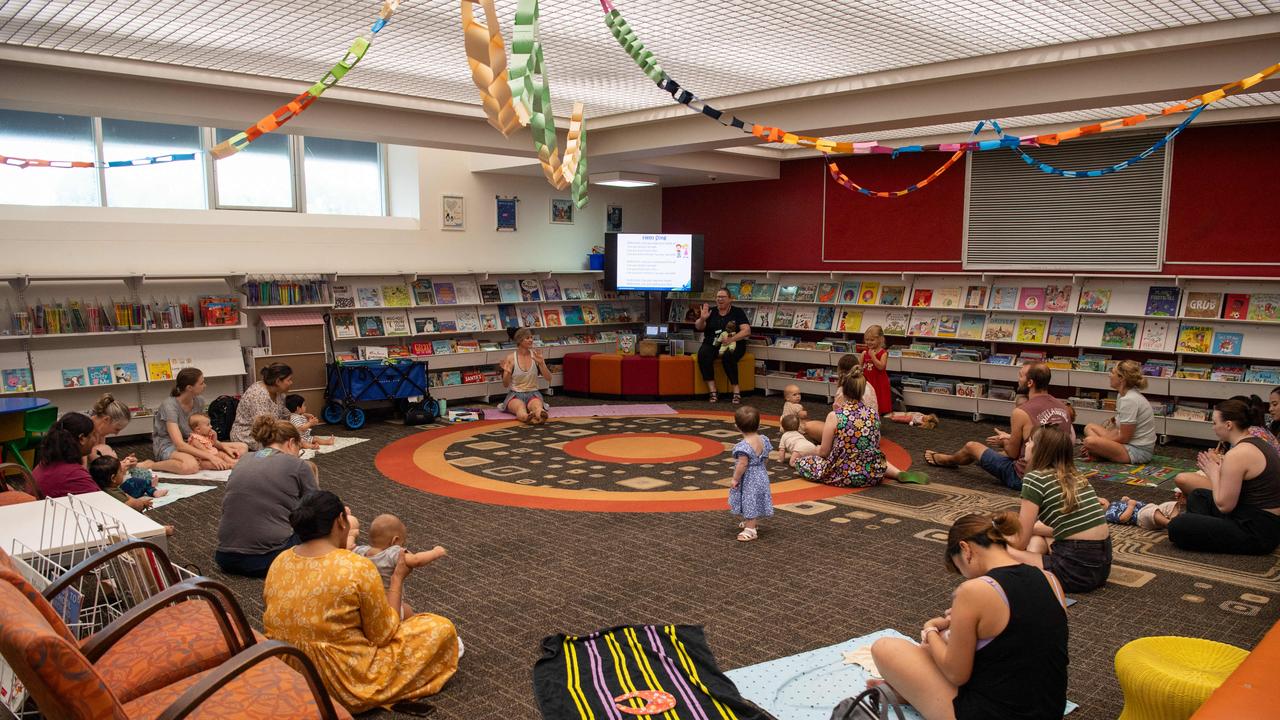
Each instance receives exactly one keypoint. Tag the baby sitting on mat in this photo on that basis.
(793, 442)
(204, 437)
(387, 535)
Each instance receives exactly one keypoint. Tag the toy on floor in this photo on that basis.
(915, 419)
(464, 415)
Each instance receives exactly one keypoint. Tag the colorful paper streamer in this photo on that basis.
(487, 56)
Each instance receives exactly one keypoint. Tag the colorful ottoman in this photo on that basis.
(639, 376)
(606, 374)
(675, 375)
(577, 372)
(746, 376)
(1169, 678)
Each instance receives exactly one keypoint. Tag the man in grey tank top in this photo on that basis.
(1002, 453)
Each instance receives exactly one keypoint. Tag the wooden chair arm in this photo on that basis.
(28, 480)
(95, 647)
(100, 558)
(234, 667)
(229, 603)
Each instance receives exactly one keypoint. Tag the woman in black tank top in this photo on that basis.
(1000, 651)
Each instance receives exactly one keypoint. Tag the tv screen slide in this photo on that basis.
(666, 262)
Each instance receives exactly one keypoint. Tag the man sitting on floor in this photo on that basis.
(1003, 453)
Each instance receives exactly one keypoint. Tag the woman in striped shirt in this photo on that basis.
(1059, 503)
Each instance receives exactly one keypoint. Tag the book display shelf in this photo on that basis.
(958, 339)
(70, 339)
(288, 311)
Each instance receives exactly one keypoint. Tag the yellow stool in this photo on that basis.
(1169, 678)
(746, 376)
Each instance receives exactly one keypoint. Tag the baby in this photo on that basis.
(204, 437)
(304, 421)
(791, 403)
(1148, 516)
(730, 329)
(109, 473)
(387, 535)
(793, 442)
(915, 419)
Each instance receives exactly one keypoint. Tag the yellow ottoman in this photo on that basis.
(746, 376)
(1169, 678)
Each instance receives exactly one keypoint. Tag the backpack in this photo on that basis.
(222, 415)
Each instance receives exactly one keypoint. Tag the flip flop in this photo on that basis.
(930, 458)
(915, 477)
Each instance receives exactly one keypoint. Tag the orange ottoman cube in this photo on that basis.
(639, 376)
(606, 374)
(675, 375)
(746, 376)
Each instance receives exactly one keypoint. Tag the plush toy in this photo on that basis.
(730, 329)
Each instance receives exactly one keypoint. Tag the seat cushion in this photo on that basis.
(577, 372)
(271, 690)
(675, 375)
(606, 374)
(639, 375)
(746, 376)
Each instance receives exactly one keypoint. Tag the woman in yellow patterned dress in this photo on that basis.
(330, 603)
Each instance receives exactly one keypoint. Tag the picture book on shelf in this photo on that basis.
(921, 297)
(806, 292)
(344, 326)
(946, 298)
(446, 324)
(530, 316)
(551, 317)
(787, 293)
(395, 324)
(895, 323)
(508, 316)
(764, 315)
(1204, 305)
(156, 370)
(734, 289)
(607, 315)
(1265, 308)
(370, 325)
(971, 326)
(509, 290)
(74, 377)
(343, 297)
(126, 373)
(892, 294)
(530, 291)
(804, 318)
(849, 292)
(1162, 301)
(1119, 334)
(975, 297)
(489, 293)
(468, 321)
(1031, 299)
(784, 317)
(424, 325)
(17, 380)
(1060, 330)
(1228, 343)
(441, 347)
(573, 315)
(746, 286)
(923, 325)
(948, 325)
(1195, 339)
(764, 291)
(1000, 328)
(826, 318)
(1094, 300)
(590, 314)
(1057, 298)
(1155, 333)
(369, 297)
(1004, 298)
(423, 294)
(99, 374)
(827, 292)
(868, 293)
(445, 294)
(465, 290)
(489, 321)
(550, 290)
(1235, 307)
(1032, 330)
(395, 296)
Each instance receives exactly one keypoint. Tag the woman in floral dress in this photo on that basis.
(850, 453)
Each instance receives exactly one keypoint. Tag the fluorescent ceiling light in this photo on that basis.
(623, 179)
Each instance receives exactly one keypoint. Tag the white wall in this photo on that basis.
(105, 241)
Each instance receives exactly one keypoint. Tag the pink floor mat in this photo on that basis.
(591, 411)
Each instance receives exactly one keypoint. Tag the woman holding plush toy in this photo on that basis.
(718, 339)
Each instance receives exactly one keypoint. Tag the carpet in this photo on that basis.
(212, 475)
(339, 443)
(808, 685)
(1159, 472)
(177, 492)
(591, 411)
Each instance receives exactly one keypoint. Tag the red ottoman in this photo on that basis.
(640, 375)
(577, 372)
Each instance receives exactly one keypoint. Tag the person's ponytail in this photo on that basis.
(984, 530)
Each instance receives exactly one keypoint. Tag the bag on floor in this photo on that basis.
(874, 703)
(222, 415)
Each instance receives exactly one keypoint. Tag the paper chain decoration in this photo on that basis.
(487, 56)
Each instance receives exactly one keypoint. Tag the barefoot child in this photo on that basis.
(875, 361)
(793, 442)
(204, 437)
(914, 419)
(304, 421)
(387, 536)
(1148, 516)
(791, 403)
(749, 498)
(110, 474)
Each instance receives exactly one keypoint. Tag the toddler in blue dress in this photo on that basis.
(750, 497)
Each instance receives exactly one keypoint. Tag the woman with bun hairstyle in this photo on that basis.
(110, 417)
(171, 428)
(264, 398)
(263, 489)
(1000, 650)
(1129, 436)
(1257, 415)
(62, 452)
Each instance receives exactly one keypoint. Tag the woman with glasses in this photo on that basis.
(713, 325)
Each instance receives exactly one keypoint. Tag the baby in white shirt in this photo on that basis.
(793, 442)
(791, 403)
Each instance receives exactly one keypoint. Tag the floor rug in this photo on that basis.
(1159, 472)
(339, 443)
(809, 685)
(212, 475)
(591, 411)
(177, 492)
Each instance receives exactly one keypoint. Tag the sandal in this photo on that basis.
(737, 398)
(930, 458)
(712, 397)
(748, 534)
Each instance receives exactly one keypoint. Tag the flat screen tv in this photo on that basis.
(650, 261)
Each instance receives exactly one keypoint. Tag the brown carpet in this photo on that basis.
(822, 571)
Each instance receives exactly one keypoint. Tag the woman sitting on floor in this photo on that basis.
(849, 455)
(110, 417)
(1239, 511)
(1196, 479)
(1058, 502)
(1130, 436)
(330, 603)
(172, 428)
(1000, 651)
(62, 453)
(264, 398)
(520, 371)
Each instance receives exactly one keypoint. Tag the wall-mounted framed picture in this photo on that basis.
(506, 209)
(453, 214)
(561, 211)
(613, 219)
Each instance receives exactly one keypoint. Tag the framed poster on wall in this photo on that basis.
(506, 212)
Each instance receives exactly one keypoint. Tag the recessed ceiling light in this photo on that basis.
(623, 179)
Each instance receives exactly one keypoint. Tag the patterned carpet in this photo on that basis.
(824, 570)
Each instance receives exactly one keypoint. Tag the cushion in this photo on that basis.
(606, 374)
(746, 376)
(577, 372)
(640, 375)
(271, 689)
(675, 375)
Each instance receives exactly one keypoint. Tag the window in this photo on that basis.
(259, 176)
(343, 177)
(48, 137)
(168, 185)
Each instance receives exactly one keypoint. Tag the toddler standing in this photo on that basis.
(387, 535)
(875, 361)
(749, 497)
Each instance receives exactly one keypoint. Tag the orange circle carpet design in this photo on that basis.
(667, 463)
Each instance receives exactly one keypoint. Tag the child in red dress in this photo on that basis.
(875, 359)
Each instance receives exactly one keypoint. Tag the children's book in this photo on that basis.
(464, 289)
(509, 290)
(1119, 334)
(764, 291)
(1057, 298)
(370, 325)
(1228, 343)
(369, 297)
(156, 370)
(1235, 307)
(826, 317)
(590, 314)
(827, 292)
(423, 294)
(804, 318)
(921, 298)
(19, 380)
(445, 294)
(489, 321)
(895, 323)
(343, 297)
(1004, 298)
(1162, 301)
(869, 293)
(851, 321)
(509, 316)
(787, 293)
(344, 326)
(948, 298)
(1032, 330)
(948, 325)
(99, 374)
(892, 294)
(395, 324)
(764, 315)
(573, 315)
(849, 292)
(745, 287)
(447, 324)
(733, 289)
(530, 316)
(1204, 305)
(551, 317)
(785, 317)
(551, 290)
(468, 321)
(1265, 308)
(74, 377)
(923, 325)
(441, 347)
(1031, 299)
(530, 291)
(126, 373)
(1094, 300)
(425, 325)
(489, 293)
(1155, 333)
(1195, 339)
(395, 296)
(1000, 328)
(971, 326)
(975, 297)
(807, 292)
(1060, 330)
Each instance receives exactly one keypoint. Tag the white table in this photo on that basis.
(50, 527)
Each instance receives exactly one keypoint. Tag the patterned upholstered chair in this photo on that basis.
(17, 485)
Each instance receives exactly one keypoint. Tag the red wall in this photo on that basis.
(1225, 183)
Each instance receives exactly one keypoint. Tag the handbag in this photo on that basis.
(874, 703)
